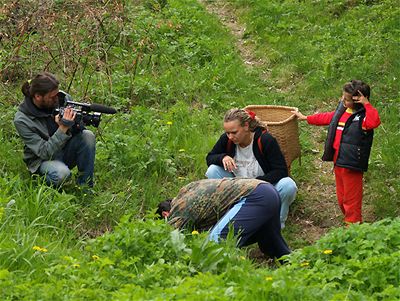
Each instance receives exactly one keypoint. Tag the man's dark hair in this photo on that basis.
(163, 206)
(41, 84)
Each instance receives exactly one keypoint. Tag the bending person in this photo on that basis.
(247, 150)
(251, 206)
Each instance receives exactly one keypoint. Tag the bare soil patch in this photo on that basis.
(228, 18)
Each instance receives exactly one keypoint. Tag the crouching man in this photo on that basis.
(53, 144)
(251, 206)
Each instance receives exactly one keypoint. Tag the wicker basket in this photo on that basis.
(282, 124)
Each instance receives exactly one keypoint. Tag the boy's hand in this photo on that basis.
(360, 99)
(299, 115)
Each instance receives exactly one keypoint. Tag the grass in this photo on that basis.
(315, 49)
(171, 70)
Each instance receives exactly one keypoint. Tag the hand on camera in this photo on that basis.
(67, 121)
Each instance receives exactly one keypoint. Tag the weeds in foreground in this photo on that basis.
(171, 71)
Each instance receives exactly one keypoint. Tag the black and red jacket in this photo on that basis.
(270, 159)
(356, 137)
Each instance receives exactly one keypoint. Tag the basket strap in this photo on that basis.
(260, 147)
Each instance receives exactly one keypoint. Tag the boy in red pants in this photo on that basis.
(348, 144)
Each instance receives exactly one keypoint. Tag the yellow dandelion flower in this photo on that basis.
(268, 278)
(39, 249)
(95, 257)
(76, 265)
(305, 264)
(169, 122)
(195, 232)
(182, 150)
(327, 251)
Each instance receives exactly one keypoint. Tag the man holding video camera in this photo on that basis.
(53, 144)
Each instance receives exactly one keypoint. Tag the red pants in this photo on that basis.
(349, 191)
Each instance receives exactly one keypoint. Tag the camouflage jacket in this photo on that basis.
(199, 205)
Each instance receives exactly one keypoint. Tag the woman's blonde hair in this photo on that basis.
(243, 116)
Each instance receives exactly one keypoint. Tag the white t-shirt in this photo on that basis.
(246, 162)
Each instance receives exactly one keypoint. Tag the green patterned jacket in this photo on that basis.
(200, 204)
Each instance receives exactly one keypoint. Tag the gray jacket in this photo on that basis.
(41, 135)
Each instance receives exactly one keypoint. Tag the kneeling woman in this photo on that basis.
(247, 150)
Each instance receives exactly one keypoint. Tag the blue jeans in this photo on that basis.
(79, 151)
(286, 188)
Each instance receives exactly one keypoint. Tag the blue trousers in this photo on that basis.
(286, 188)
(255, 219)
(79, 151)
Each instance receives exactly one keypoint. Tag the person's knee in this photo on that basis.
(292, 188)
(56, 173)
(213, 172)
(287, 188)
(88, 138)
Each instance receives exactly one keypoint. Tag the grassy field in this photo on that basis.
(313, 49)
(171, 69)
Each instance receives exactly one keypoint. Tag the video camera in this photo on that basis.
(88, 114)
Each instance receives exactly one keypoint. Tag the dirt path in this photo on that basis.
(229, 19)
(318, 211)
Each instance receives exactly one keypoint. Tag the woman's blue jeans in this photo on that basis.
(79, 151)
(286, 188)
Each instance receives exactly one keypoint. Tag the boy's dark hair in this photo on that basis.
(356, 85)
(365, 90)
(163, 206)
(41, 84)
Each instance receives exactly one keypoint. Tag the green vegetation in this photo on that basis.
(313, 48)
(145, 260)
(172, 70)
